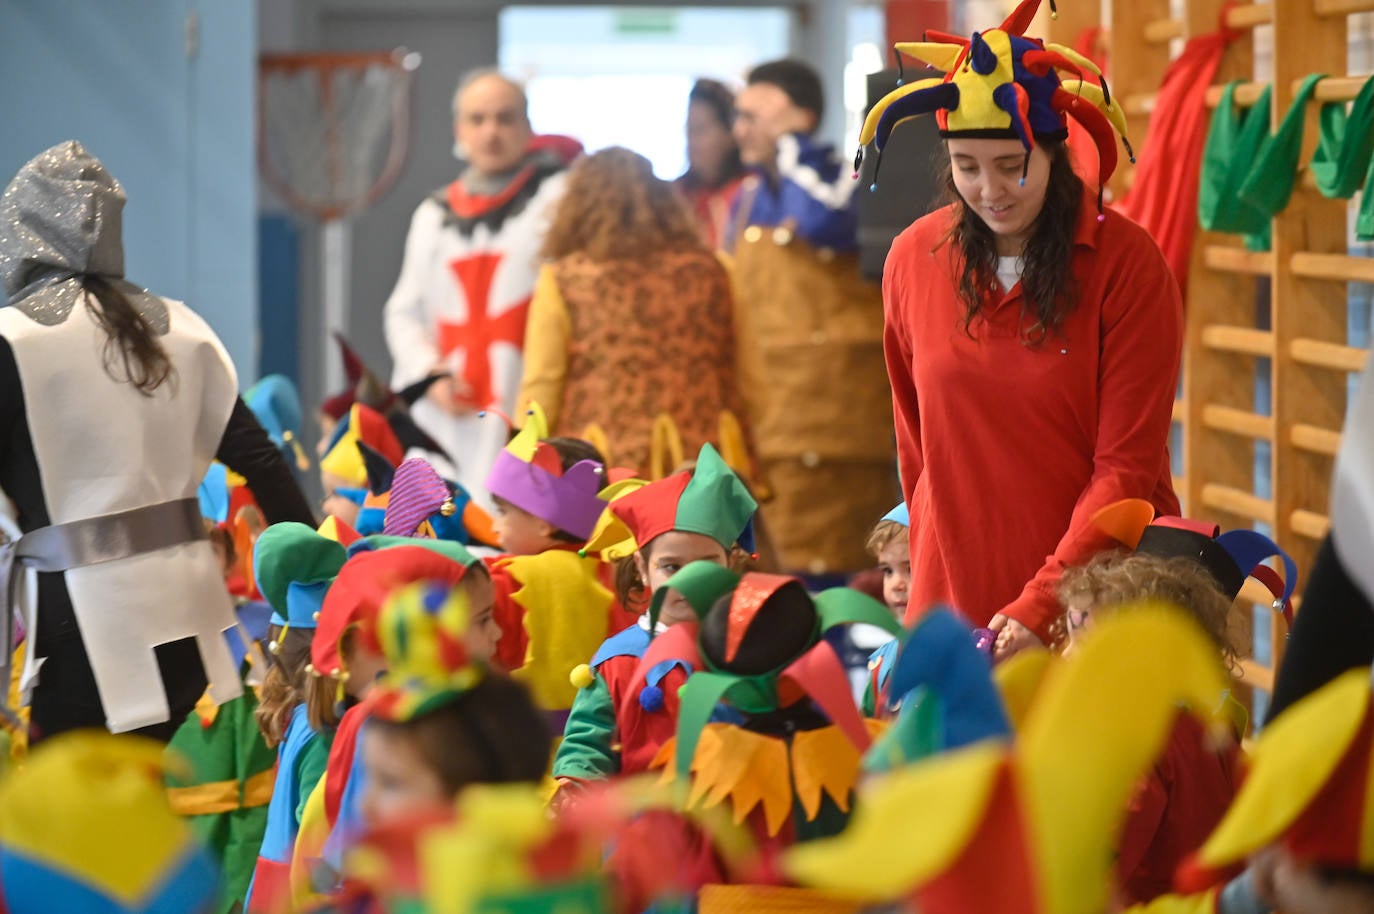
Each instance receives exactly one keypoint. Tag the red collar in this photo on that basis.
(469, 206)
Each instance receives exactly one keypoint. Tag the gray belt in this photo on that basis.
(91, 541)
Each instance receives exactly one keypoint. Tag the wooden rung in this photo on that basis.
(1337, 267)
(1141, 103)
(1314, 439)
(1256, 675)
(1244, 340)
(1339, 88)
(1310, 524)
(1329, 355)
(1249, 15)
(1246, 95)
(1238, 502)
(1180, 483)
(1237, 260)
(1180, 411)
(1238, 422)
(1162, 31)
(1341, 7)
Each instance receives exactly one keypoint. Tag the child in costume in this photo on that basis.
(221, 771)
(651, 530)
(1027, 828)
(295, 567)
(378, 566)
(789, 760)
(441, 721)
(84, 827)
(889, 543)
(1197, 568)
(1303, 818)
(552, 602)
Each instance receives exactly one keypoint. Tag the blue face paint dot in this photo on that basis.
(873, 187)
(1023, 182)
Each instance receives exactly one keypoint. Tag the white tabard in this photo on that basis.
(103, 447)
(475, 287)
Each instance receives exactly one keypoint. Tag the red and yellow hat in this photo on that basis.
(1028, 828)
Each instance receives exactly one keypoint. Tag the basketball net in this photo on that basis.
(333, 132)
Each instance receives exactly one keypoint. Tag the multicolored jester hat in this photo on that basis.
(1000, 84)
(1028, 827)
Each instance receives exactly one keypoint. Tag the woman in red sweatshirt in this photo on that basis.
(1032, 340)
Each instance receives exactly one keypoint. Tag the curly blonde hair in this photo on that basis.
(615, 208)
(1115, 579)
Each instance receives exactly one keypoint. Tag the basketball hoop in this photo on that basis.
(333, 128)
(333, 131)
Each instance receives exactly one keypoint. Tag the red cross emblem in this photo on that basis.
(476, 335)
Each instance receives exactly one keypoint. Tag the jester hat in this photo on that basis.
(710, 500)
(1229, 557)
(948, 699)
(66, 818)
(422, 503)
(727, 602)
(899, 515)
(1310, 788)
(1000, 84)
(277, 406)
(529, 474)
(1029, 827)
(368, 577)
(342, 457)
(364, 386)
(294, 566)
(497, 850)
(421, 629)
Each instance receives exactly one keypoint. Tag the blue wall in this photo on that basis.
(177, 131)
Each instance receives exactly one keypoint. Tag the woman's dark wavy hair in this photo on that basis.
(1047, 280)
(129, 338)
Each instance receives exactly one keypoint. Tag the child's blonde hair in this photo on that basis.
(884, 534)
(284, 686)
(1115, 579)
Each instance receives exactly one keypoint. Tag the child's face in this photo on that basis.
(665, 556)
(364, 666)
(345, 509)
(399, 783)
(894, 560)
(519, 531)
(483, 632)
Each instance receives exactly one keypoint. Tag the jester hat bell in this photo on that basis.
(999, 84)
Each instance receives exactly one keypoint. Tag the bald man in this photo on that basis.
(471, 258)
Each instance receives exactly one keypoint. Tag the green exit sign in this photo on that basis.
(646, 21)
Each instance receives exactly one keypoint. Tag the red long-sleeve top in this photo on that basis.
(1008, 448)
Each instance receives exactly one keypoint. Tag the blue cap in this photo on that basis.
(278, 407)
(899, 514)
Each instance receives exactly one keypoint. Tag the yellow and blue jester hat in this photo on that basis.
(420, 632)
(999, 84)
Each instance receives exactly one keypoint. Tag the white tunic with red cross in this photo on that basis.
(460, 303)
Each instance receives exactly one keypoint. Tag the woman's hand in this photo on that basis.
(1012, 637)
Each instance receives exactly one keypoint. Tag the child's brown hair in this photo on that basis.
(1115, 579)
(284, 686)
(885, 532)
(492, 734)
(322, 693)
